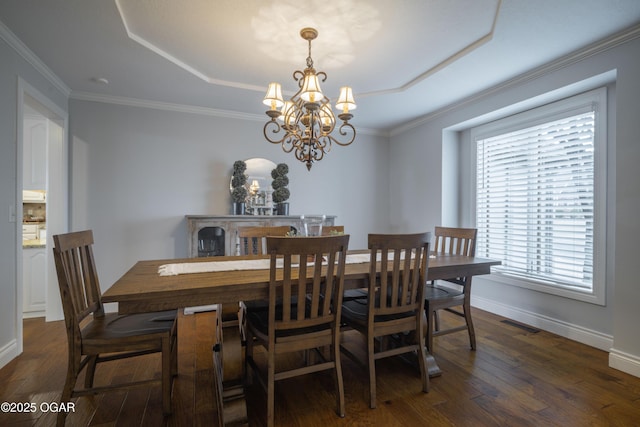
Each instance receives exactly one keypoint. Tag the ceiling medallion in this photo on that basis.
(307, 120)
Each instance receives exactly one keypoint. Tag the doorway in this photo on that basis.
(51, 154)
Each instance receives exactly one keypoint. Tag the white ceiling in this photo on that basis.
(404, 59)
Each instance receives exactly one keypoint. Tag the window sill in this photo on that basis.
(592, 297)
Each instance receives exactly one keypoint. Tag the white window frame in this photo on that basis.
(596, 100)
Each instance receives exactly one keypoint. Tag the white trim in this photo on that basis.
(466, 50)
(166, 106)
(9, 352)
(7, 35)
(25, 87)
(188, 109)
(57, 222)
(624, 362)
(593, 99)
(575, 57)
(559, 327)
(562, 291)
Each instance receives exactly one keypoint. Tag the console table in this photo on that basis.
(210, 235)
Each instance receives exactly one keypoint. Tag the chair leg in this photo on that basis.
(436, 320)
(174, 357)
(430, 320)
(335, 348)
(248, 356)
(90, 372)
(371, 362)
(271, 399)
(422, 356)
(67, 391)
(472, 332)
(167, 363)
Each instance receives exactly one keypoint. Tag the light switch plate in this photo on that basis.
(12, 213)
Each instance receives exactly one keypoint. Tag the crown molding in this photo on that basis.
(166, 106)
(182, 108)
(603, 45)
(13, 41)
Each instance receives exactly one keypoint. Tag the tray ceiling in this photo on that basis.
(404, 59)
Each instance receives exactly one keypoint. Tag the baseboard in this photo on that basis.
(33, 314)
(624, 362)
(573, 332)
(8, 353)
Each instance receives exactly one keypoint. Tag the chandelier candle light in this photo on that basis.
(307, 119)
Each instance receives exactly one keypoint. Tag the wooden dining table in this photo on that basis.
(143, 289)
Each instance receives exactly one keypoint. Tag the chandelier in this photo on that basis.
(305, 123)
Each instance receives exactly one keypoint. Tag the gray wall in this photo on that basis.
(136, 172)
(420, 148)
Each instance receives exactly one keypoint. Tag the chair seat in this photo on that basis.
(434, 292)
(260, 305)
(259, 320)
(352, 294)
(113, 326)
(253, 305)
(355, 312)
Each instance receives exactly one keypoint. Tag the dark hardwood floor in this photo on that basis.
(517, 377)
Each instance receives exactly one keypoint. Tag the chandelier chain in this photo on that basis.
(309, 60)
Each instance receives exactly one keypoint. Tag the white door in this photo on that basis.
(34, 152)
(34, 270)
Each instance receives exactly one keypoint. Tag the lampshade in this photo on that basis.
(310, 90)
(326, 117)
(273, 98)
(288, 113)
(345, 100)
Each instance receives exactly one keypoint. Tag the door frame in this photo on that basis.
(57, 184)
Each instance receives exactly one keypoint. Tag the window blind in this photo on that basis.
(535, 201)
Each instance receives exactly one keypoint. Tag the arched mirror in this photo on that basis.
(258, 186)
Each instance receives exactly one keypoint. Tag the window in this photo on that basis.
(539, 196)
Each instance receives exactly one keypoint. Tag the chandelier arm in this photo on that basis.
(288, 144)
(298, 76)
(309, 154)
(324, 143)
(276, 128)
(341, 131)
(323, 74)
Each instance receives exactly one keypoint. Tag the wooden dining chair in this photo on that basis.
(332, 230)
(454, 292)
(290, 326)
(95, 336)
(392, 316)
(252, 239)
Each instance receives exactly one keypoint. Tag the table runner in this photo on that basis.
(245, 264)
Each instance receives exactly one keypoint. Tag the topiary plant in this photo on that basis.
(238, 181)
(279, 184)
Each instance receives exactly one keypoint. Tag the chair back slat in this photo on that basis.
(77, 276)
(252, 238)
(307, 291)
(329, 230)
(455, 241)
(397, 280)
